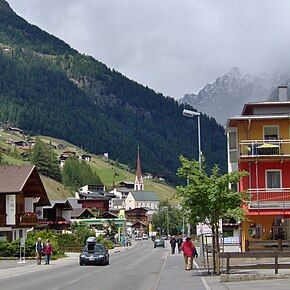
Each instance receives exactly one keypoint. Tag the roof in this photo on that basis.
(249, 106)
(76, 212)
(138, 169)
(118, 202)
(74, 202)
(65, 204)
(232, 122)
(144, 195)
(13, 178)
(93, 195)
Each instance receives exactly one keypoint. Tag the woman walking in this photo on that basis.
(187, 248)
(47, 251)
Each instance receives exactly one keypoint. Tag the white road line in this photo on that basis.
(203, 280)
(161, 272)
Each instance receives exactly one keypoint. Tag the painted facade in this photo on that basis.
(259, 143)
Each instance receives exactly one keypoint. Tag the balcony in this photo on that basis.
(264, 148)
(26, 219)
(269, 198)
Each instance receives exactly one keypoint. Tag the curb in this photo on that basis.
(252, 277)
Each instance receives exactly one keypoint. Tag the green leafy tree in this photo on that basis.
(45, 160)
(81, 232)
(208, 198)
(175, 218)
(78, 173)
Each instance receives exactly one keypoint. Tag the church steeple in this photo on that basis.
(139, 185)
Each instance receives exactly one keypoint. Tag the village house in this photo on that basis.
(258, 142)
(22, 198)
(142, 199)
(81, 213)
(58, 214)
(86, 157)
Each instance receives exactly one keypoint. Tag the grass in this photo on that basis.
(105, 169)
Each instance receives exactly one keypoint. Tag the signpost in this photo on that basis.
(22, 251)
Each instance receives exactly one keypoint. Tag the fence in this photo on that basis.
(260, 255)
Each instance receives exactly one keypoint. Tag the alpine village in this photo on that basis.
(89, 156)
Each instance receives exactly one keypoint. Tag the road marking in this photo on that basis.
(203, 280)
(162, 269)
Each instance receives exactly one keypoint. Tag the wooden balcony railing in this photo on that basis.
(261, 198)
(264, 148)
(26, 218)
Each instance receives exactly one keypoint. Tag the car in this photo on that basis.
(138, 238)
(94, 254)
(145, 237)
(159, 242)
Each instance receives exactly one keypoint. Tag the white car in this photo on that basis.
(138, 238)
(145, 237)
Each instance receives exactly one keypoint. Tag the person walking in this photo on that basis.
(38, 250)
(188, 248)
(179, 243)
(173, 244)
(47, 251)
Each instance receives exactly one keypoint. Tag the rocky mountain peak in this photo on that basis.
(226, 96)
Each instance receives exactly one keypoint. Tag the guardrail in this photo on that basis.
(264, 198)
(264, 148)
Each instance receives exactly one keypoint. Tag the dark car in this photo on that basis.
(94, 254)
(159, 242)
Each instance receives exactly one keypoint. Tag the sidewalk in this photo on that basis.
(175, 277)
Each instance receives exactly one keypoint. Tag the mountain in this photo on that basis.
(227, 95)
(48, 88)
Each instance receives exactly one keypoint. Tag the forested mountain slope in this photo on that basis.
(48, 88)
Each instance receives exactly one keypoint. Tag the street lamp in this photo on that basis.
(192, 114)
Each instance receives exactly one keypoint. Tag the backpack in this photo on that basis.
(194, 252)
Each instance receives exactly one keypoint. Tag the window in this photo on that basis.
(271, 132)
(233, 156)
(273, 178)
(232, 140)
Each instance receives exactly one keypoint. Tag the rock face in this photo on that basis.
(227, 95)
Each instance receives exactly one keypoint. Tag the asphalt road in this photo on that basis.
(139, 267)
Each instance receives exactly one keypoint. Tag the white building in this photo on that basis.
(142, 199)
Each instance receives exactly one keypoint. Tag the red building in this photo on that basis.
(259, 143)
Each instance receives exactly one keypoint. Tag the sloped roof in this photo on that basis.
(76, 212)
(25, 178)
(13, 178)
(144, 195)
(65, 204)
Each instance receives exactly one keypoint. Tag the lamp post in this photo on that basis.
(166, 208)
(192, 114)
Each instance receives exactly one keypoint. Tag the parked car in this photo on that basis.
(159, 242)
(145, 237)
(138, 238)
(94, 254)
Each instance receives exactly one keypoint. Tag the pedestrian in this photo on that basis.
(188, 248)
(179, 243)
(47, 251)
(38, 250)
(173, 244)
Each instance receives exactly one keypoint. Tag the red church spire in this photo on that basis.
(139, 179)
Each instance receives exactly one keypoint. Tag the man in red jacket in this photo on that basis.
(187, 248)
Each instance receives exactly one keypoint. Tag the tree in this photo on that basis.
(209, 197)
(45, 160)
(77, 173)
(175, 217)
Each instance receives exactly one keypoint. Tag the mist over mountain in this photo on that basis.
(227, 95)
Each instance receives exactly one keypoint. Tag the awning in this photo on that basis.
(268, 145)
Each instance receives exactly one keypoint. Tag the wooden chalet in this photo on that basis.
(22, 197)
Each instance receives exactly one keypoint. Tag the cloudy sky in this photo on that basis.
(173, 46)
